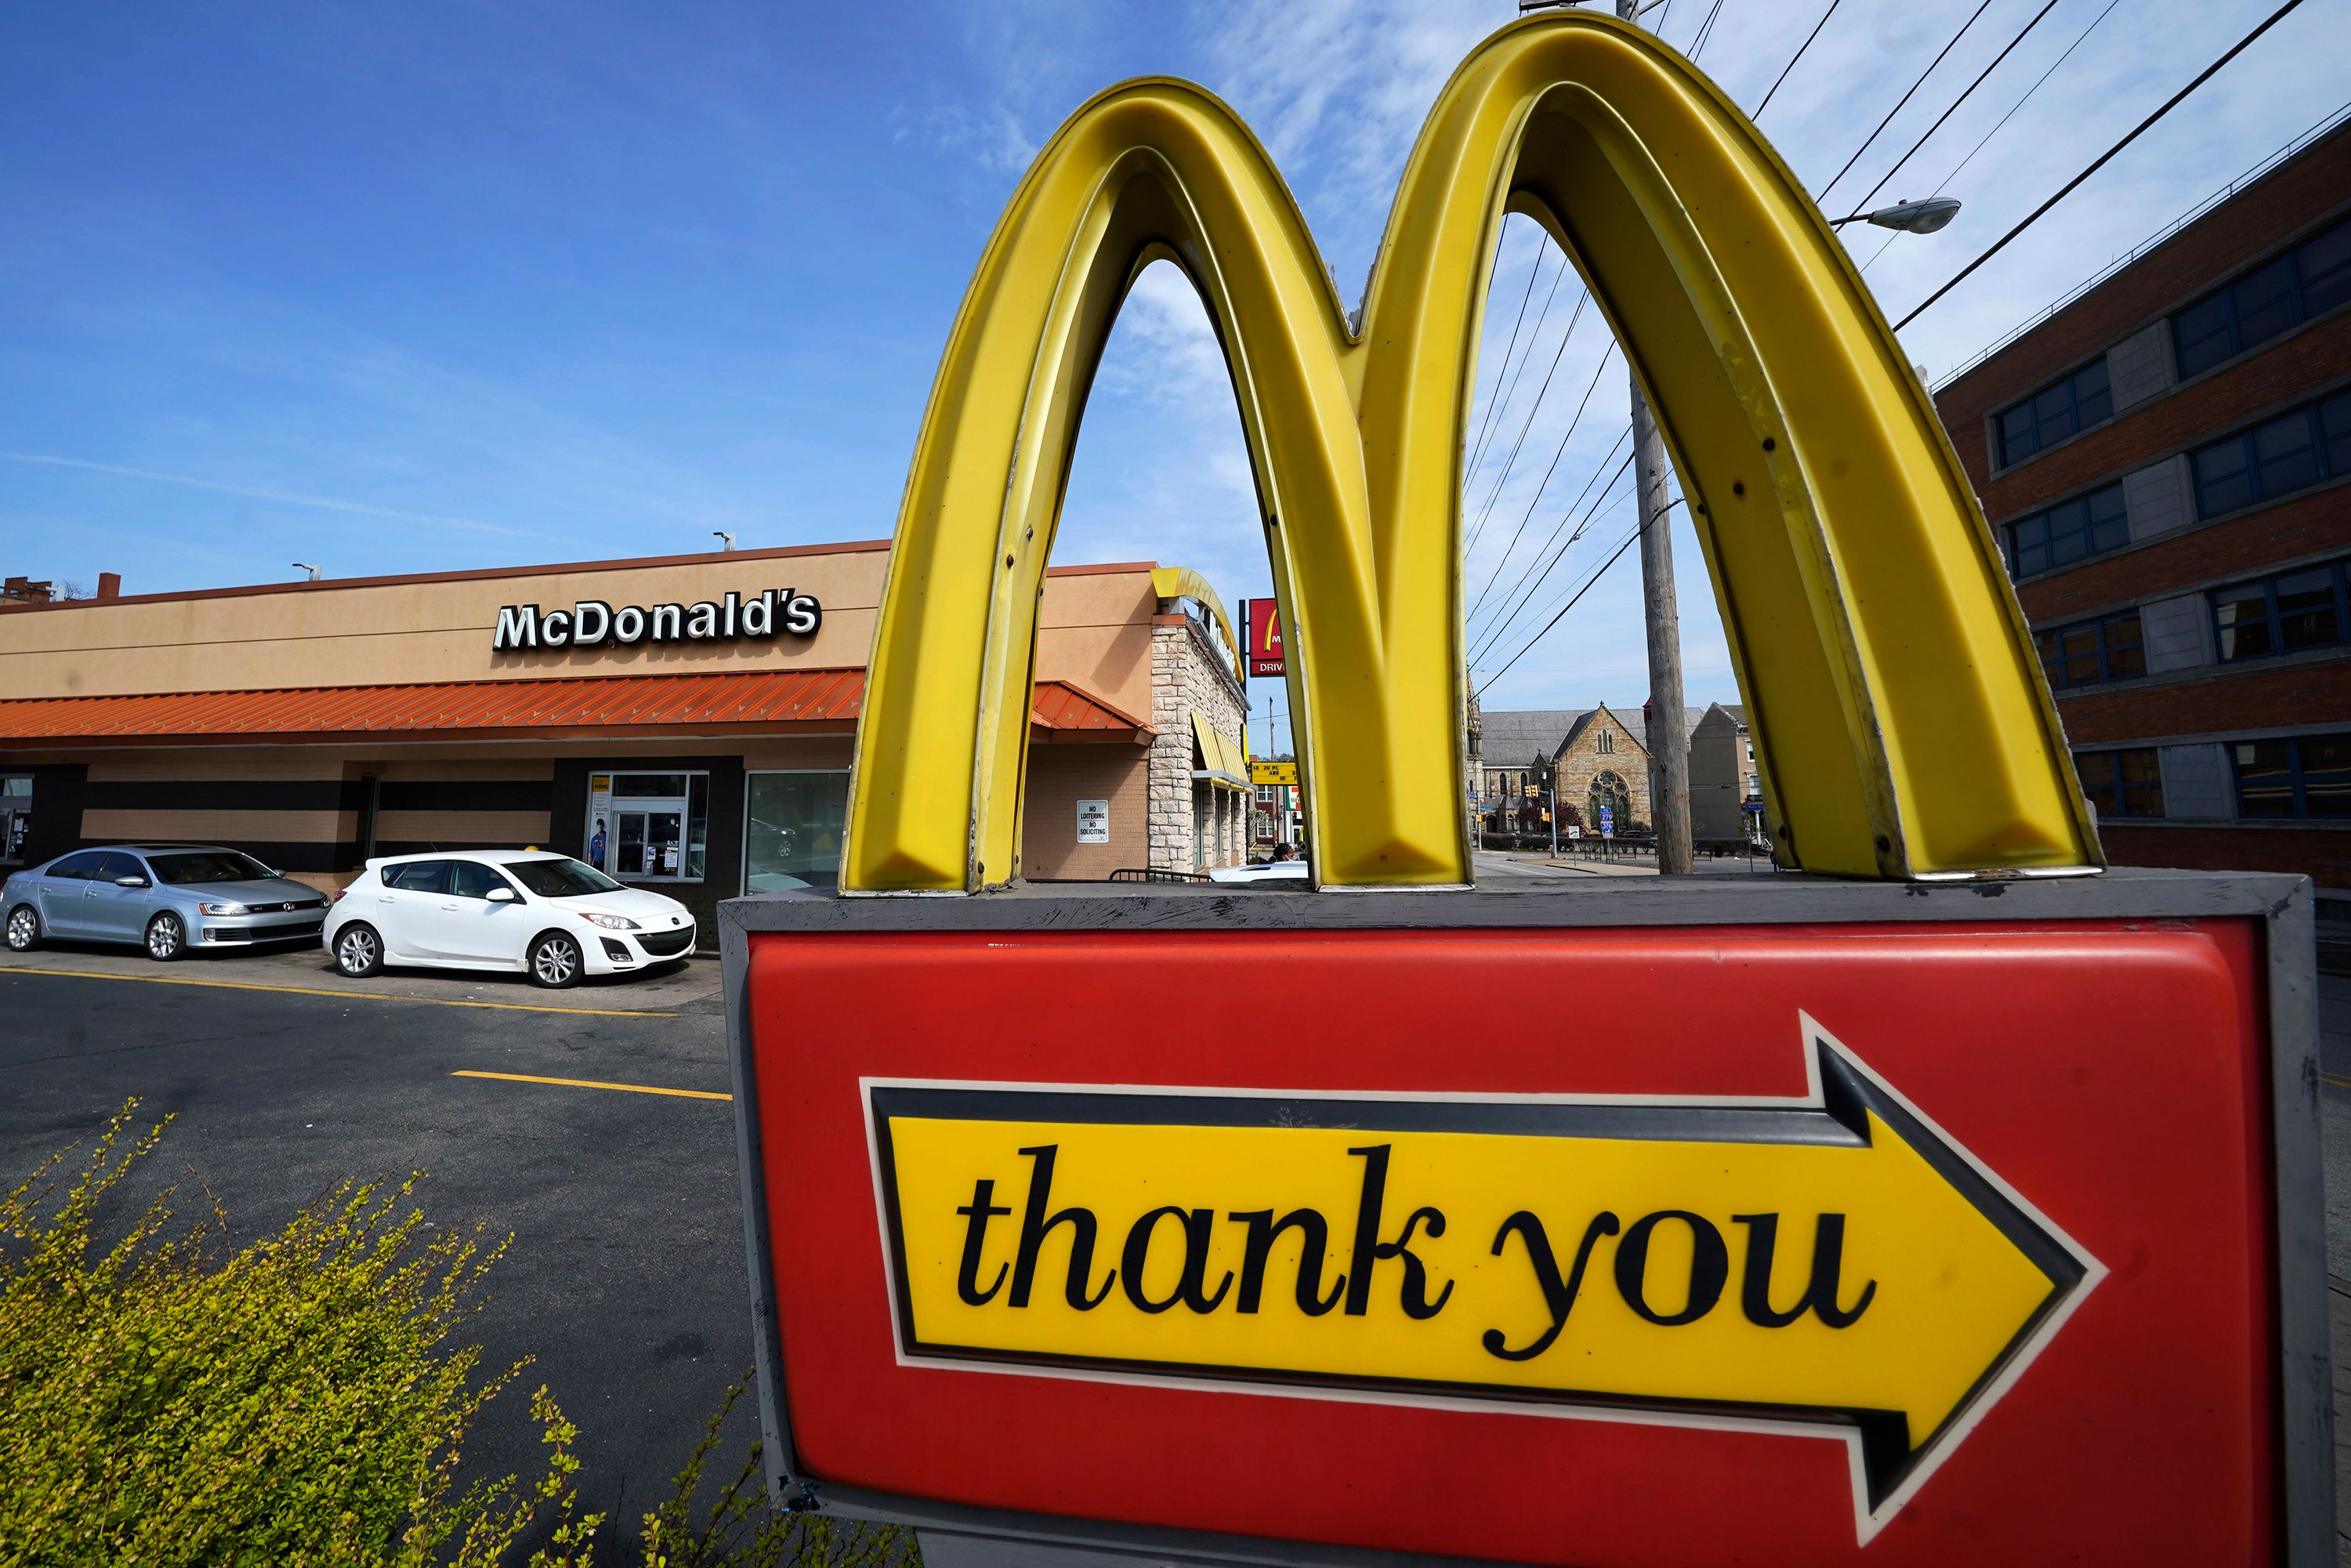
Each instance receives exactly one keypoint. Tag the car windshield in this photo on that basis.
(207, 865)
(560, 878)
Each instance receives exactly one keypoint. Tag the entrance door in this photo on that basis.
(651, 840)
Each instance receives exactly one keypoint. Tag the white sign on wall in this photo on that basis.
(1093, 822)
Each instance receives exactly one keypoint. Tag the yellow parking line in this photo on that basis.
(318, 991)
(591, 1083)
(2336, 1078)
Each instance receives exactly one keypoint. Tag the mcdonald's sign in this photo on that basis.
(1265, 637)
(1959, 1206)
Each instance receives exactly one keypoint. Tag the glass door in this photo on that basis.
(648, 826)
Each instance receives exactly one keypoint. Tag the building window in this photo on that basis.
(2055, 411)
(2109, 649)
(2312, 278)
(1754, 786)
(2122, 783)
(1607, 742)
(792, 825)
(2275, 457)
(2309, 776)
(1609, 795)
(16, 816)
(2281, 614)
(2070, 532)
(648, 827)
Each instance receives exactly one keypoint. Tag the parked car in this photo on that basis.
(1263, 871)
(550, 916)
(170, 899)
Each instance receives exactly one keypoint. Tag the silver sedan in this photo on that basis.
(170, 899)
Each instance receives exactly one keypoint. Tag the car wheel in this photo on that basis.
(555, 962)
(167, 938)
(359, 951)
(24, 929)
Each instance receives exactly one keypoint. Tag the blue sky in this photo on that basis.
(428, 288)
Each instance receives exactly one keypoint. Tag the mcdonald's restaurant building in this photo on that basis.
(684, 722)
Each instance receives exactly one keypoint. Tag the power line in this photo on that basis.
(1705, 31)
(1611, 509)
(1534, 270)
(1794, 58)
(1516, 598)
(1563, 609)
(1533, 501)
(2103, 158)
(1905, 99)
(1541, 317)
(1503, 477)
(1960, 168)
(1884, 179)
(1497, 631)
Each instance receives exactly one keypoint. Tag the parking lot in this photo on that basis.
(626, 1276)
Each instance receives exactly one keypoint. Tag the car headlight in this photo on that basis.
(221, 908)
(608, 922)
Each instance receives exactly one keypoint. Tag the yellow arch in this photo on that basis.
(1891, 689)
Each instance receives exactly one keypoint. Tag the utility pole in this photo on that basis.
(1668, 746)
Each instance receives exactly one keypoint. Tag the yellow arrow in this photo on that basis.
(1831, 1261)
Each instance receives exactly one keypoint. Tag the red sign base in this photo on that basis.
(2120, 1074)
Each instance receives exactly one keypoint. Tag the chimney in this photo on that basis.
(110, 585)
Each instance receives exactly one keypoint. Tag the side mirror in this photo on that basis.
(129, 881)
(502, 896)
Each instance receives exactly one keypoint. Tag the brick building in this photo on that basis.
(2163, 460)
(1602, 755)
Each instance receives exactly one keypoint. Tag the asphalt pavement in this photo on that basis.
(626, 1275)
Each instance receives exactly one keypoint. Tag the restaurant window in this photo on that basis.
(2122, 783)
(2275, 457)
(2281, 614)
(16, 816)
(2108, 649)
(2070, 532)
(2064, 407)
(792, 827)
(2309, 280)
(2306, 776)
(648, 826)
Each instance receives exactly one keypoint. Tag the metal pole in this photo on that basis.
(1555, 810)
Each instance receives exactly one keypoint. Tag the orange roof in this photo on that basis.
(764, 702)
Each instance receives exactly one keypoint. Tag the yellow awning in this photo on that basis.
(1221, 763)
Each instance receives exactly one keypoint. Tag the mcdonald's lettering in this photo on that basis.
(1901, 719)
(1834, 1255)
(594, 624)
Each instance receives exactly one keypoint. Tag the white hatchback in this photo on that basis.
(548, 916)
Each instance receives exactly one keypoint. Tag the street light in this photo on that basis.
(726, 540)
(1911, 217)
(306, 567)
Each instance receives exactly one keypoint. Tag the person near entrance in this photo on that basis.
(596, 846)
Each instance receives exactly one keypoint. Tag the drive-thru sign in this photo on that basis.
(1961, 1208)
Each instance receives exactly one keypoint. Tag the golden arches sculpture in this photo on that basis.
(1904, 727)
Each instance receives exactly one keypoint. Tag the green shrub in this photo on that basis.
(302, 1400)
(299, 1400)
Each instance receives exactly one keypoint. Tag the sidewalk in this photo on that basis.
(668, 987)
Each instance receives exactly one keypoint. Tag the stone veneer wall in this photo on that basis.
(1583, 761)
(1187, 677)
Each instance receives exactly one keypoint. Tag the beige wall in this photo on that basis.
(1093, 630)
(1718, 778)
(1060, 776)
